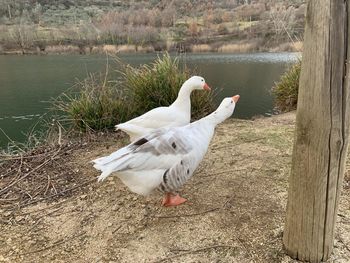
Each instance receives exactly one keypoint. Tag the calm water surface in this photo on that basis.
(28, 82)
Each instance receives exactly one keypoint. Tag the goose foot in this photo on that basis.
(173, 200)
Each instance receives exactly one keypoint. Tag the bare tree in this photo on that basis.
(283, 21)
(23, 36)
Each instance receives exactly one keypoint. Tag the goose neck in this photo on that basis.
(183, 98)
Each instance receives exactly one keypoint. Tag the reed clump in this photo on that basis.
(286, 89)
(99, 103)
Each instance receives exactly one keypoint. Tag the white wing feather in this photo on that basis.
(164, 117)
(158, 150)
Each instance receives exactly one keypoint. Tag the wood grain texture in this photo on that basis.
(322, 132)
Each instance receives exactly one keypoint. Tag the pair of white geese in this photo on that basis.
(166, 148)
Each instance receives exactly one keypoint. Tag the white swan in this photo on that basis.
(177, 114)
(166, 158)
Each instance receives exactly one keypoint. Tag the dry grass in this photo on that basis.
(59, 49)
(288, 47)
(145, 49)
(126, 48)
(201, 48)
(298, 46)
(111, 49)
(97, 50)
(114, 49)
(243, 47)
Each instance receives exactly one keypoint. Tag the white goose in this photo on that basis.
(166, 158)
(177, 114)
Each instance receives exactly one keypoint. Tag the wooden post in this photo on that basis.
(322, 132)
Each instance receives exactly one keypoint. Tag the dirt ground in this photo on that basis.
(235, 209)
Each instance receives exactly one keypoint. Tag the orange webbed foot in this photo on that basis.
(173, 200)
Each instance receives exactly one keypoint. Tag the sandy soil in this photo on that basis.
(235, 211)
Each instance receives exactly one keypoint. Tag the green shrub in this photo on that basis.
(285, 90)
(100, 104)
(97, 105)
(158, 84)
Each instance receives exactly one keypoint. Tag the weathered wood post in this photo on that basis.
(322, 132)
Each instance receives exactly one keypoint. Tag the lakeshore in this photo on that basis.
(236, 206)
(249, 46)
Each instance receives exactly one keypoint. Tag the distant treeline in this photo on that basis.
(184, 25)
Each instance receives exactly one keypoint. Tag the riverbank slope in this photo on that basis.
(235, 209)
(243, 46)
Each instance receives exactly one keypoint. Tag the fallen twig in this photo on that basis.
(49, 213)
(57, 243)
(62, 192)
(10, 157)
(246, 249)
(24, 176)
(344, 244)
(18, 171)
(188, 215)
(193, 251)
(8, 200)
(229, 145)
(45, 208)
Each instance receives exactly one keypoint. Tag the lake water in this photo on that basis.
(28, 82)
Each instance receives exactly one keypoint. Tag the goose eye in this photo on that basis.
(202, 80)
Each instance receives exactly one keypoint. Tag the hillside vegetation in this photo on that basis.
(183, 25)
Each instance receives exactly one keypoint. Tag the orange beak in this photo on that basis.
(206, 87)
(235, 98)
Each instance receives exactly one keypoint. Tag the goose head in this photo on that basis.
(225, 109)
(196, 83)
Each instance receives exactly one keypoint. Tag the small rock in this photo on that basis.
(7, 214)
(3, 259)
(19, 218)
(82, 196)
(110, 224)
(135, 198)
(145, 212)
(127, 216)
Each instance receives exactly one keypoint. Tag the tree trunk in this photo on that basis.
(322, 132)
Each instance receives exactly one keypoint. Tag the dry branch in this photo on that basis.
(57, 243)
(193, 251)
